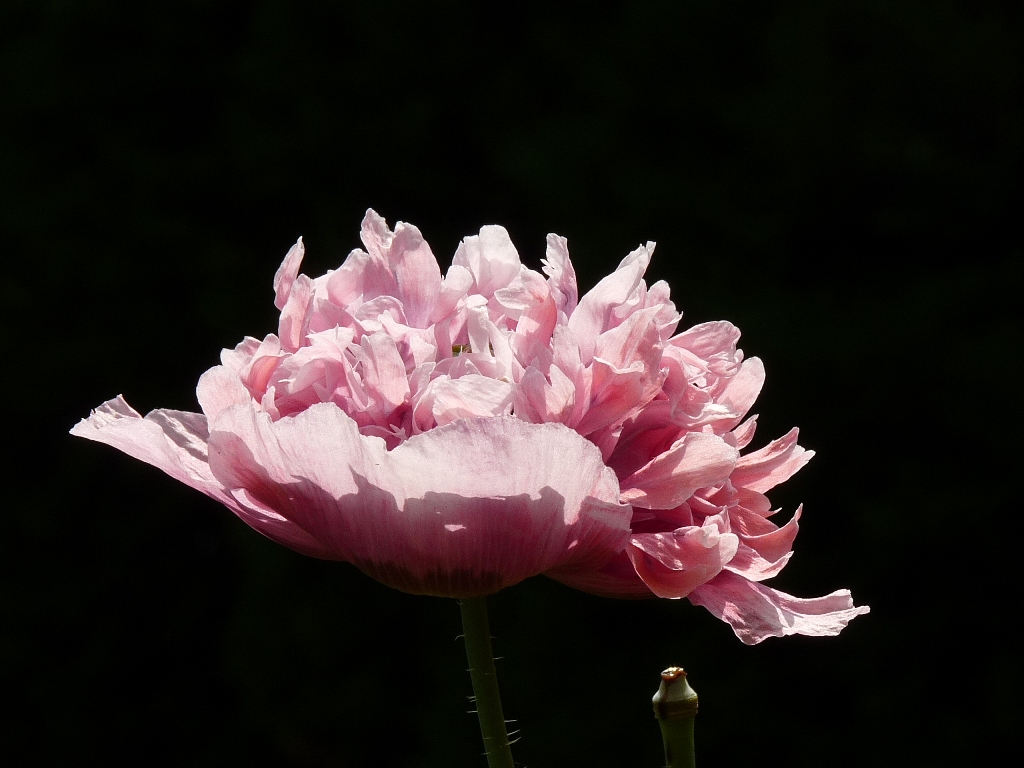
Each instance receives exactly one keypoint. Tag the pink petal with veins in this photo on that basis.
(286, 274)
(756, 612)
(176, 442)
(459, 511)
(775, 463)
(694, 461)
(675, 563)
(490, 257)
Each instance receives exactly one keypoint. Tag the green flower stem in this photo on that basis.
(477, 634)
(675, 706)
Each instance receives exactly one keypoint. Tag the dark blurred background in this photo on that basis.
(834, 177)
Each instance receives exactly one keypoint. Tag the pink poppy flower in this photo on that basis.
(455, 435)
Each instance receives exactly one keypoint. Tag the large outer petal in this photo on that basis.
(617, 578)
(462, 510)
(757, 612)
(176, 442)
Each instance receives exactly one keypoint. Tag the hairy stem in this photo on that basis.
(477, 634)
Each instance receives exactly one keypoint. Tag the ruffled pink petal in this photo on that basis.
(565, 354)
(376, 235)
(469, 397)
(626, 373)
(176, 442)
(710, 341)
(528, 305)
(286, 274)
(770, 542)
(744, 433)
(636, 339)
(643, 437)
(456, 284)
(490, 257)
(695, 460)
(740, 393)
(369, 315)
(778, 461)
(601, 308)
(667, 317)
(417, 273)
(345, 284)
(616, 394)
(537, 399)
(256, 375)
(757, 612)
(384, 372)
(561, 275)
(463, 510)
(236, 359)
(362, 277)
(291, 327)
(675, 563)
(220, 388)
(748, 563)
(534, 329)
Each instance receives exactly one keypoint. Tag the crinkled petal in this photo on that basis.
(748, 563)
(756, 612)
(740, 392)
(778, 461)
(176, 442)
(463, 510)
(362, 276)
(771, 542)
(384, 372)
(675, 563)
(636, 339)
(490, 257)
(541, 400)
(291, 328)
(695, 460)
(709, 340)
(468, 397)
(376, 235)
(456, 284)
(561, 275)
(417, 273)
(616, 394)
(596, 312)
(744, 433)
(286, 274)
(220, 388)
(666, 317)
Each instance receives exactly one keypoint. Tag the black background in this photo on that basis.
(834, 177)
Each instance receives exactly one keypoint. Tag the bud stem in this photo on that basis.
(477, 634)
(675, 706)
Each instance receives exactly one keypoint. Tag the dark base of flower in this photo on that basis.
(462, 583)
